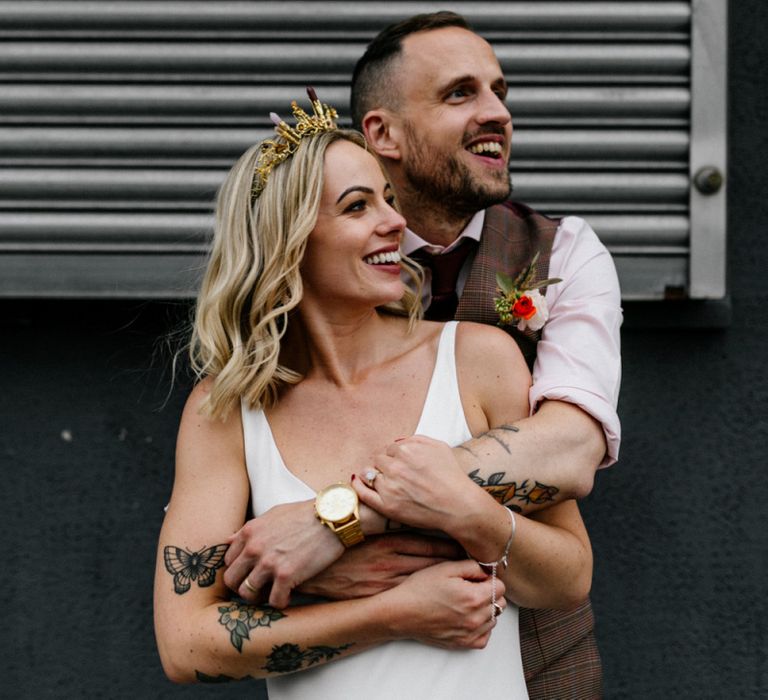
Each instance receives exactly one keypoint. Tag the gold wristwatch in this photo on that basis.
(337, 506)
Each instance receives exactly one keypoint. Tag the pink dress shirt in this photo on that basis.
(579, 355)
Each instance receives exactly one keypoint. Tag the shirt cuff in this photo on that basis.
(596, 406)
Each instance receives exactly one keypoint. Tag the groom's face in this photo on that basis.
(456, 128)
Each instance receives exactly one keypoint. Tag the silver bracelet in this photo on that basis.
(494, 565)
(503, 558)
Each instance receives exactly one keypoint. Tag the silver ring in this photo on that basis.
(370, 476)
(497, 609)
(249, 586)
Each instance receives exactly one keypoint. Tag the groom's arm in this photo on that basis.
(573, 428)
(536, 462)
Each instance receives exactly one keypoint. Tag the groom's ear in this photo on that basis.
(383, 132)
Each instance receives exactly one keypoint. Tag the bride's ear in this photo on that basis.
(383, 132)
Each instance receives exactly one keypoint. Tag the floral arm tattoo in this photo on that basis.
(240, 618)
(285, 658)
(506, 492)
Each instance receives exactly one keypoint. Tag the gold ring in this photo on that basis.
(249, 586)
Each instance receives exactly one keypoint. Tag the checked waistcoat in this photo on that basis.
(560, 655)
(512, 234)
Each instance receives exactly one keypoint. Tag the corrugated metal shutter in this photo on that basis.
(119, 119)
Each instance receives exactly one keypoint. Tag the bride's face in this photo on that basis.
(352, 255)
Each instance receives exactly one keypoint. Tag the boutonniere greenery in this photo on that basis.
(521, 302)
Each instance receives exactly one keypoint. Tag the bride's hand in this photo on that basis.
(419, 482)
(446, 605)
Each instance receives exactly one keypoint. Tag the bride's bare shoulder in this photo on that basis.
(488, 355)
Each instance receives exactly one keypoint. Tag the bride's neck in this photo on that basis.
(341, 351)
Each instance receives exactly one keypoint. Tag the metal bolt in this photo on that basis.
(708, 180)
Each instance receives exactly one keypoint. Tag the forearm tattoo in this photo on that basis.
(466, 449)
(505, 492)
(285, 658)
(221, 678)
(501, 442)
(492, 434)
(240, 618)
(186, 566)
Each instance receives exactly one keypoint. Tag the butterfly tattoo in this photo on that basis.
(189, 566)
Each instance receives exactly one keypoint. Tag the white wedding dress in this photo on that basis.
(402, 670)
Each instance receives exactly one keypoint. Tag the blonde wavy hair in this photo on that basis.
(253, 281)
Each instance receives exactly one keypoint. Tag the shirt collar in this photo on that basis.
(412, 241)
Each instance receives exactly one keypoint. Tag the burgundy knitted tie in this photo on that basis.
(445, 269)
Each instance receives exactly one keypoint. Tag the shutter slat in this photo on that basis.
(51, 230)
(53, 142)
(158, 185)
(243, 16)
(120, 102)
(317, 60)
(40, 229)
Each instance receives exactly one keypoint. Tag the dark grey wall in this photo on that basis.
(678, 526)
(680, 541)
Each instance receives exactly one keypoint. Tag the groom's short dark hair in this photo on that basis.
(373, 81)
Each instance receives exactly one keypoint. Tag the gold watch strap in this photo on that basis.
(350, 533)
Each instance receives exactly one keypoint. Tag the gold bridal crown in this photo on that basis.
(272, 153)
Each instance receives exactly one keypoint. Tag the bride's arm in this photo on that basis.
(202, 633)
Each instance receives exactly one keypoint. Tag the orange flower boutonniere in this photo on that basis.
(521, 302)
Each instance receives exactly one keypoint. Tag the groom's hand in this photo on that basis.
(380, 563)
(281, 548)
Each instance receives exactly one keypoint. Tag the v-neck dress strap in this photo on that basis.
(443, 416)
(272, 483)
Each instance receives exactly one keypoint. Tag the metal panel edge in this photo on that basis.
(709, 43)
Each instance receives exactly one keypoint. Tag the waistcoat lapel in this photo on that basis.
(512, 234)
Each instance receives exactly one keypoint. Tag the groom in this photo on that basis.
(429, 95)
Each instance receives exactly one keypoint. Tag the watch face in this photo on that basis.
(336, 503)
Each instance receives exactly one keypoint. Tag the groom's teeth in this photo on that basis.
(485, 147)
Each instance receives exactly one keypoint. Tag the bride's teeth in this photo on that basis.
(383, 258)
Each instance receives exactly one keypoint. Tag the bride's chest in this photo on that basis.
(323, 439)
